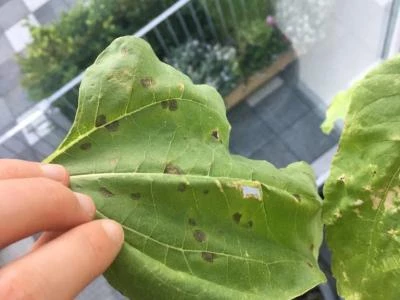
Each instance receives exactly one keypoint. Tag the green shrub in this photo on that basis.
(215, 65)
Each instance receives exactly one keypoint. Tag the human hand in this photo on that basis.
(73, 249)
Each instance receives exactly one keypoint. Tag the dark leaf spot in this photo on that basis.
(208, 256)
(250, 224)
(147, 82)
(312, 247)
(172, 169)
(135, 196)
(86, 146)
(205, 192)
(182, 187)
(199, 236)
(173, 105)
(192, 222)
(101, 120)
(310, 265)
(113, 126)
(105, 192)
(164, 104)
(236, 217)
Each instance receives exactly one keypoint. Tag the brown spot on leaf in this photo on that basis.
(106, 192)
(250, 224)
(182, 187)
(113, 126)
(310, 265)
(312, 247)
(192, 222)
(208, 256)
(236, 217)
(215, 134)
(173, 105)
(136, 196)
(147, 82)
(101, 120)
(199, 236)
(172, 169)
(85, 146)
(164, 104)
(205, 192)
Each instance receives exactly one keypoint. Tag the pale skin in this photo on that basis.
(73, 248)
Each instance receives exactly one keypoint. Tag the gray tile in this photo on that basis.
(50, 11)
(7, 118)
(18, 100)
(12, 12)
(9, 76)
(281, 109)
(249, 132)
(276, 153)
(6, 51)
(305, 138)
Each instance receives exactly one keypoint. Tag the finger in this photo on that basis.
(51, 272)
(14, 168)
(44, 238)
(33, 205)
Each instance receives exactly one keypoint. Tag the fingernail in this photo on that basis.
(113, 230)
(86, 203)
(52, 171)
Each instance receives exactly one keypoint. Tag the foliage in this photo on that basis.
(362, 193)
(63, 49)
(215, 65)
(259, 44)
(151, 148)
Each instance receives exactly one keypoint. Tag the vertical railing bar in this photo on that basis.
(161, 40)
(221, 15)
(209, 20)
(196, 21)
(233, 13)
(183, 25)
(172, 32)
(244, 10)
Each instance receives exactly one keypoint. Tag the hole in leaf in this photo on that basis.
(86, 146)
(106, 192)
(236, 217)
(208, 256)
(101, 120)
(215, 134)
(199, 236)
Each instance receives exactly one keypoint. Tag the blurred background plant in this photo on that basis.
(238, 43)
(215, 65)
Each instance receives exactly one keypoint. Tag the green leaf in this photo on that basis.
(362, 192)
(337, 110)
(151, 148)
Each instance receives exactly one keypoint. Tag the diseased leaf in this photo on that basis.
(337, 110)
(363, 193)
(151, 148)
